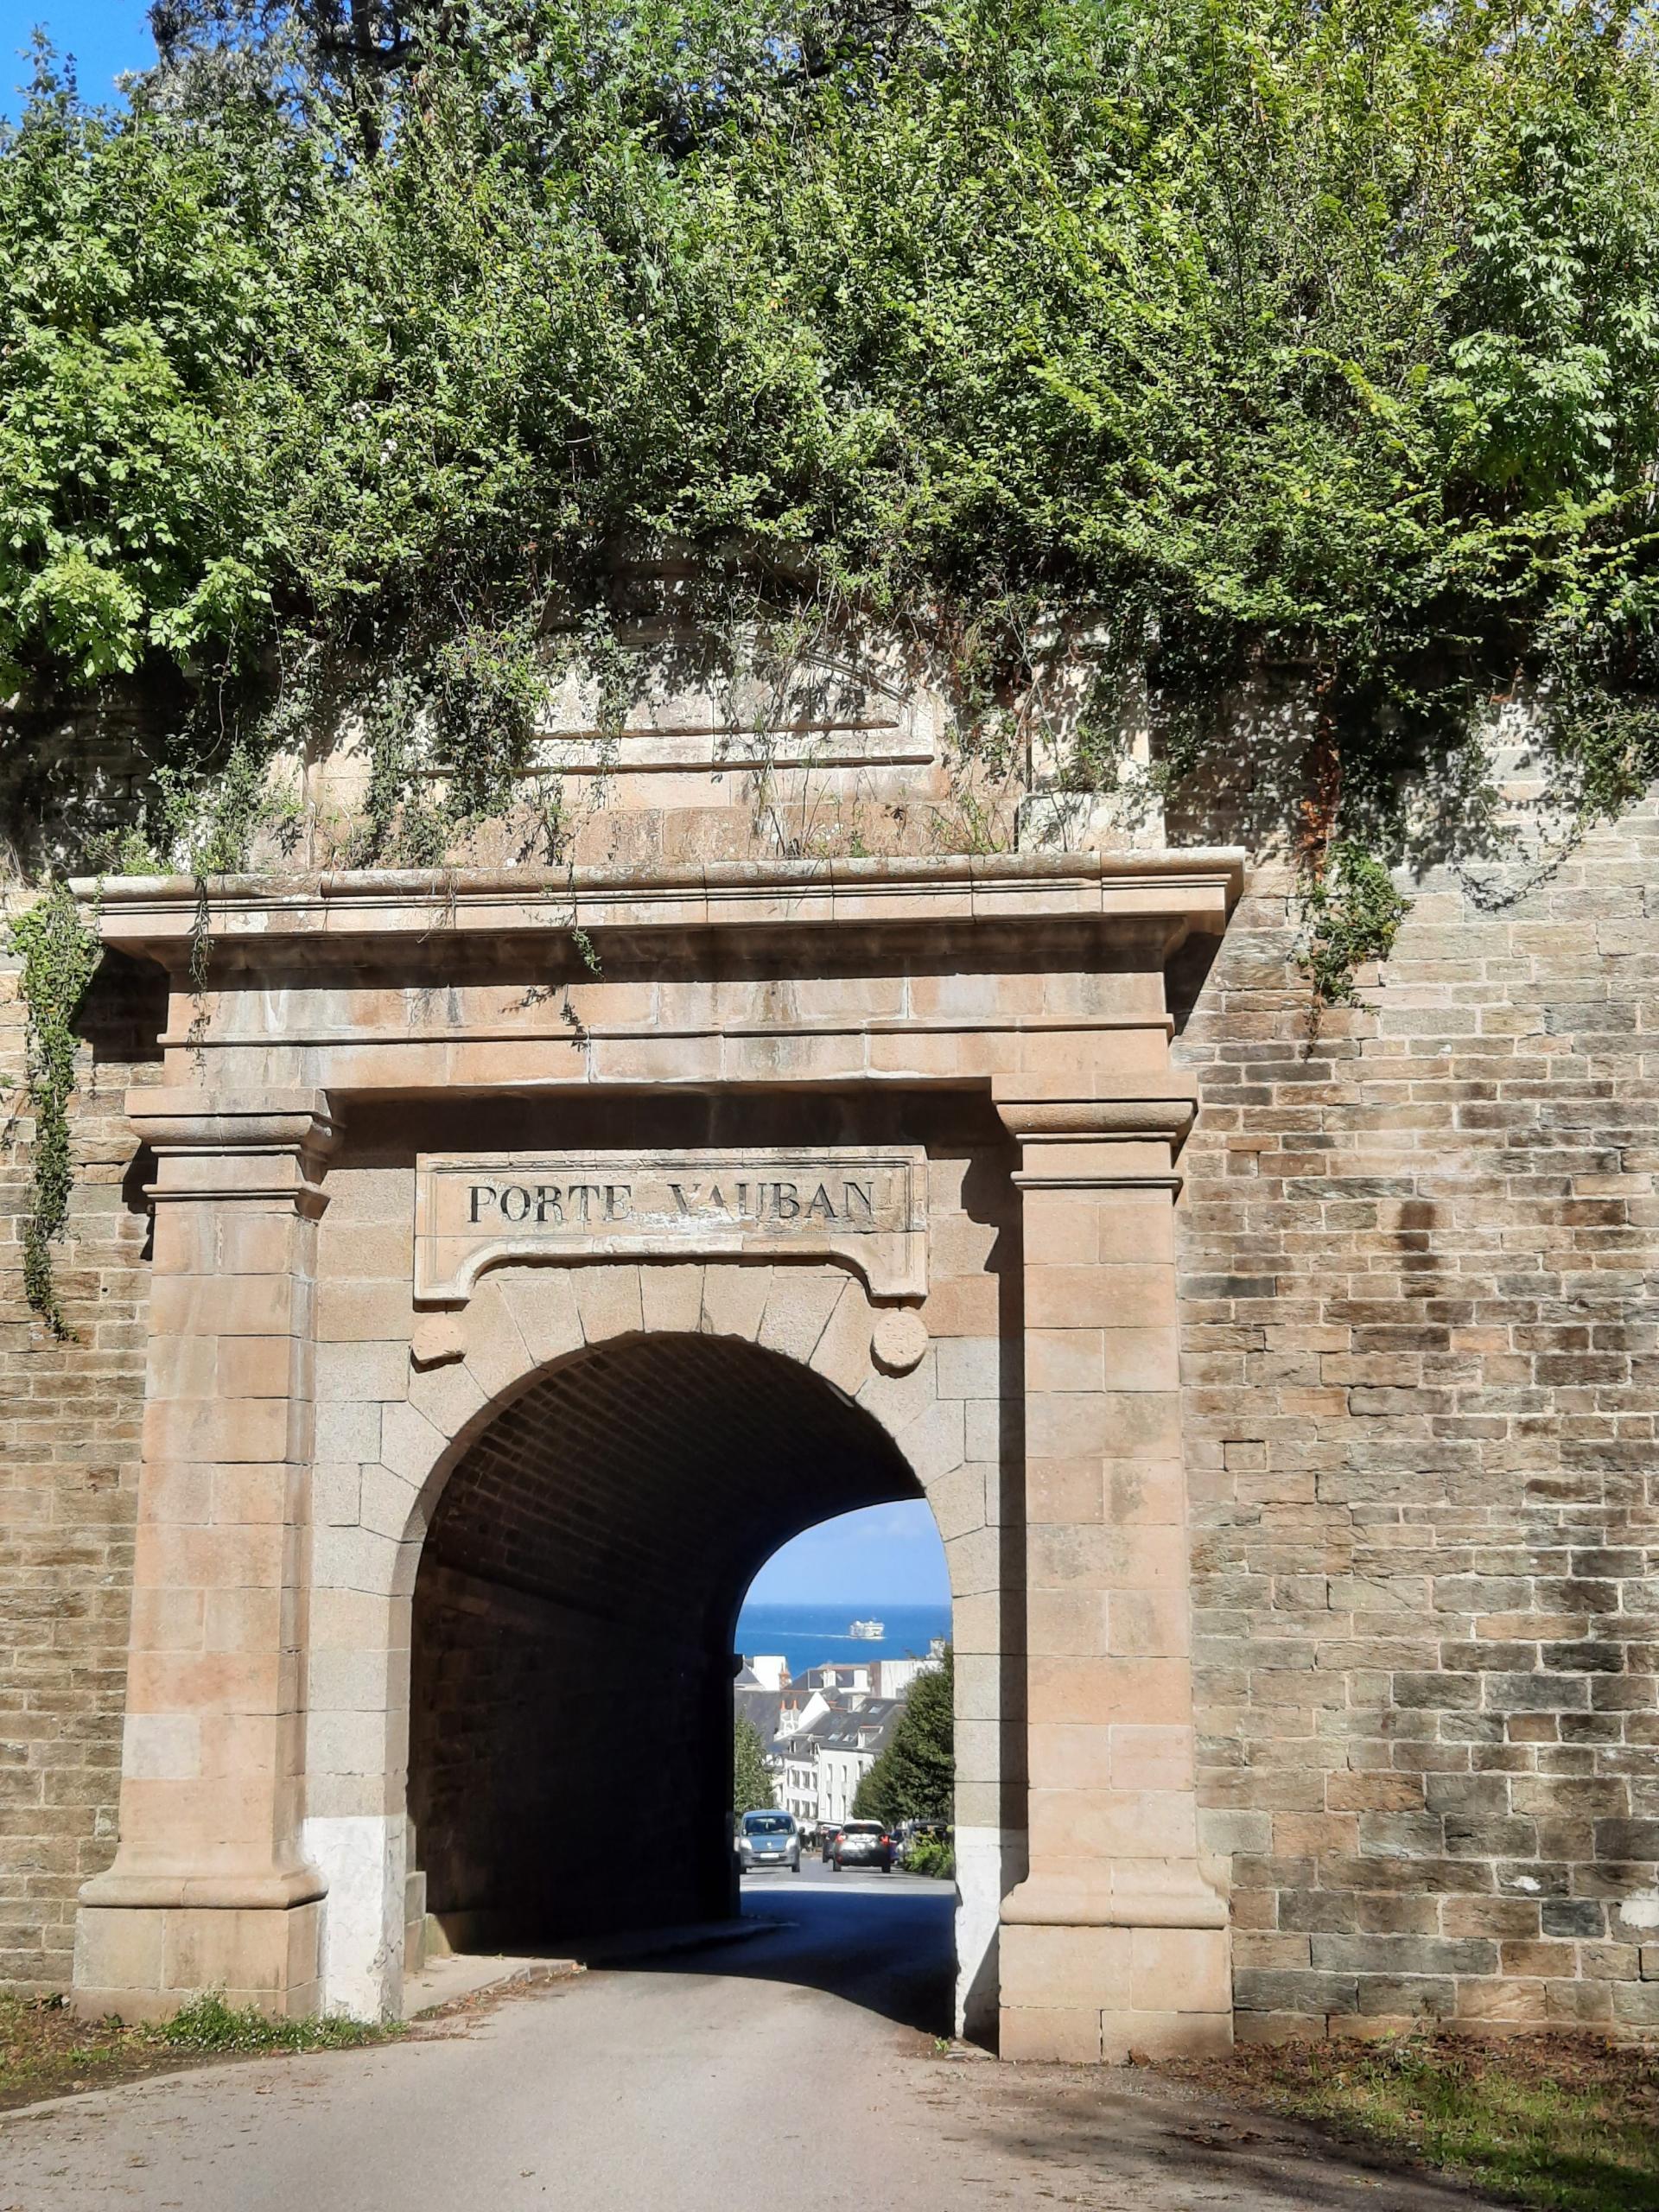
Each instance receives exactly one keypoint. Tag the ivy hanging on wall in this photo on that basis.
(1351, 916)
(58, 943)
(1281, 334)
(1044, 336)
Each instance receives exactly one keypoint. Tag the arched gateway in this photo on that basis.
(506, 1314)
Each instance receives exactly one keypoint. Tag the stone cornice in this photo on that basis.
(1174, 891)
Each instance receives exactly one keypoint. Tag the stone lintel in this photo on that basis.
(864, 1207)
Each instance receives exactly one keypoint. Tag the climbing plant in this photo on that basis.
(1351, 913)
(1216, 343)
(59, 947)
(1263, 334)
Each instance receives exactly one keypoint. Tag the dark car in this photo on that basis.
(767, 1840)
(831, 1830)
(862, 1843)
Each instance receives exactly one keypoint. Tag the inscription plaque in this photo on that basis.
(477, 1210)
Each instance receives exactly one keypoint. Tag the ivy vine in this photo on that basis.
(59, 947)
(1351, 913)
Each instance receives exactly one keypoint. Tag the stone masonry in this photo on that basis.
(1418, 1257)
(1415, 1259)
(68, 1488)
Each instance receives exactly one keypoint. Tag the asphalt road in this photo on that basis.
(799, 2067)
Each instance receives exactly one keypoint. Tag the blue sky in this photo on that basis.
(105, 36)
(885, 1555)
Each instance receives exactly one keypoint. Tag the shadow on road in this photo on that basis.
(889, 1951)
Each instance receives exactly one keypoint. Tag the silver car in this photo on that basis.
(768, 1839)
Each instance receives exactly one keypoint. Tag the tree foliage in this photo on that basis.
(1226, 332)
(752, 1789)
(914, 1778)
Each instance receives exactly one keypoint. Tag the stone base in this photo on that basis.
(1088, 1996)
(144, 1961)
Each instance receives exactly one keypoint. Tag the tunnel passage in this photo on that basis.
(571, 1667)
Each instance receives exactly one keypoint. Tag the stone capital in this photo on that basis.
(228, 1146)
(1128, 1138)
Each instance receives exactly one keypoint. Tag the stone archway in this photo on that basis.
(535, 1338)
(572, 1627)
(365, 1133)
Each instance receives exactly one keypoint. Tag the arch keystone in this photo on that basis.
(735, 1299)
(671, 1298)
(608, 1301)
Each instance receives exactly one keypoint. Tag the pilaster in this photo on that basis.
(209, 1887)
(1114, 1941)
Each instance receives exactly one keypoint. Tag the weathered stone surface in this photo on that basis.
(1415, 1255)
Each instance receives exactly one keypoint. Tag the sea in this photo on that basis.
(813, 1636)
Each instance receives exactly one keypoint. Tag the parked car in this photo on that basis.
(862, 1843)
(831, 1830)
(768, 1839)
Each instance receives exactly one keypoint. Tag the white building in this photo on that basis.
(848, 1748)
(831, 1723)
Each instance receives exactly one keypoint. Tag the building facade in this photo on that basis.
(482, 1272)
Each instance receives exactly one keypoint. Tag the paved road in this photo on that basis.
(798, 2067)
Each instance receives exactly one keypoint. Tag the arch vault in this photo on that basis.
(570, 1711)
(481, 1279)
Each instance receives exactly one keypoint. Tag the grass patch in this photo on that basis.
(1568, 2122)
(45, 2050)
(208, 2023)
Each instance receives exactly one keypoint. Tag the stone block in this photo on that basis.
(1076, 1969)
(735, 1298)
(799, 1301)
(1181, 1970)
(1048, 2034)
(671, 1298)
(609, 1302)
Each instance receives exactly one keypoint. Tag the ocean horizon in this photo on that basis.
(819, 1636)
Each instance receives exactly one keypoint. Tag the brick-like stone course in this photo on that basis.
(1418, 1255)
(70, 1416)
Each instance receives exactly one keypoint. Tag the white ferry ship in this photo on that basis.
(868, 1631)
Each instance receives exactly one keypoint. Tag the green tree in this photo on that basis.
(1232, 336)
(914, 1778)
(752, 1790)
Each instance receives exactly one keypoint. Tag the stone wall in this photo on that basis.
(1419, 1258)
(1419, 1253)
(70, 1416)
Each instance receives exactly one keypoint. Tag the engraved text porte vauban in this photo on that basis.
(476, 1211)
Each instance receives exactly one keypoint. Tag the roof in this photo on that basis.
(757, 1706)
(864, 1727)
